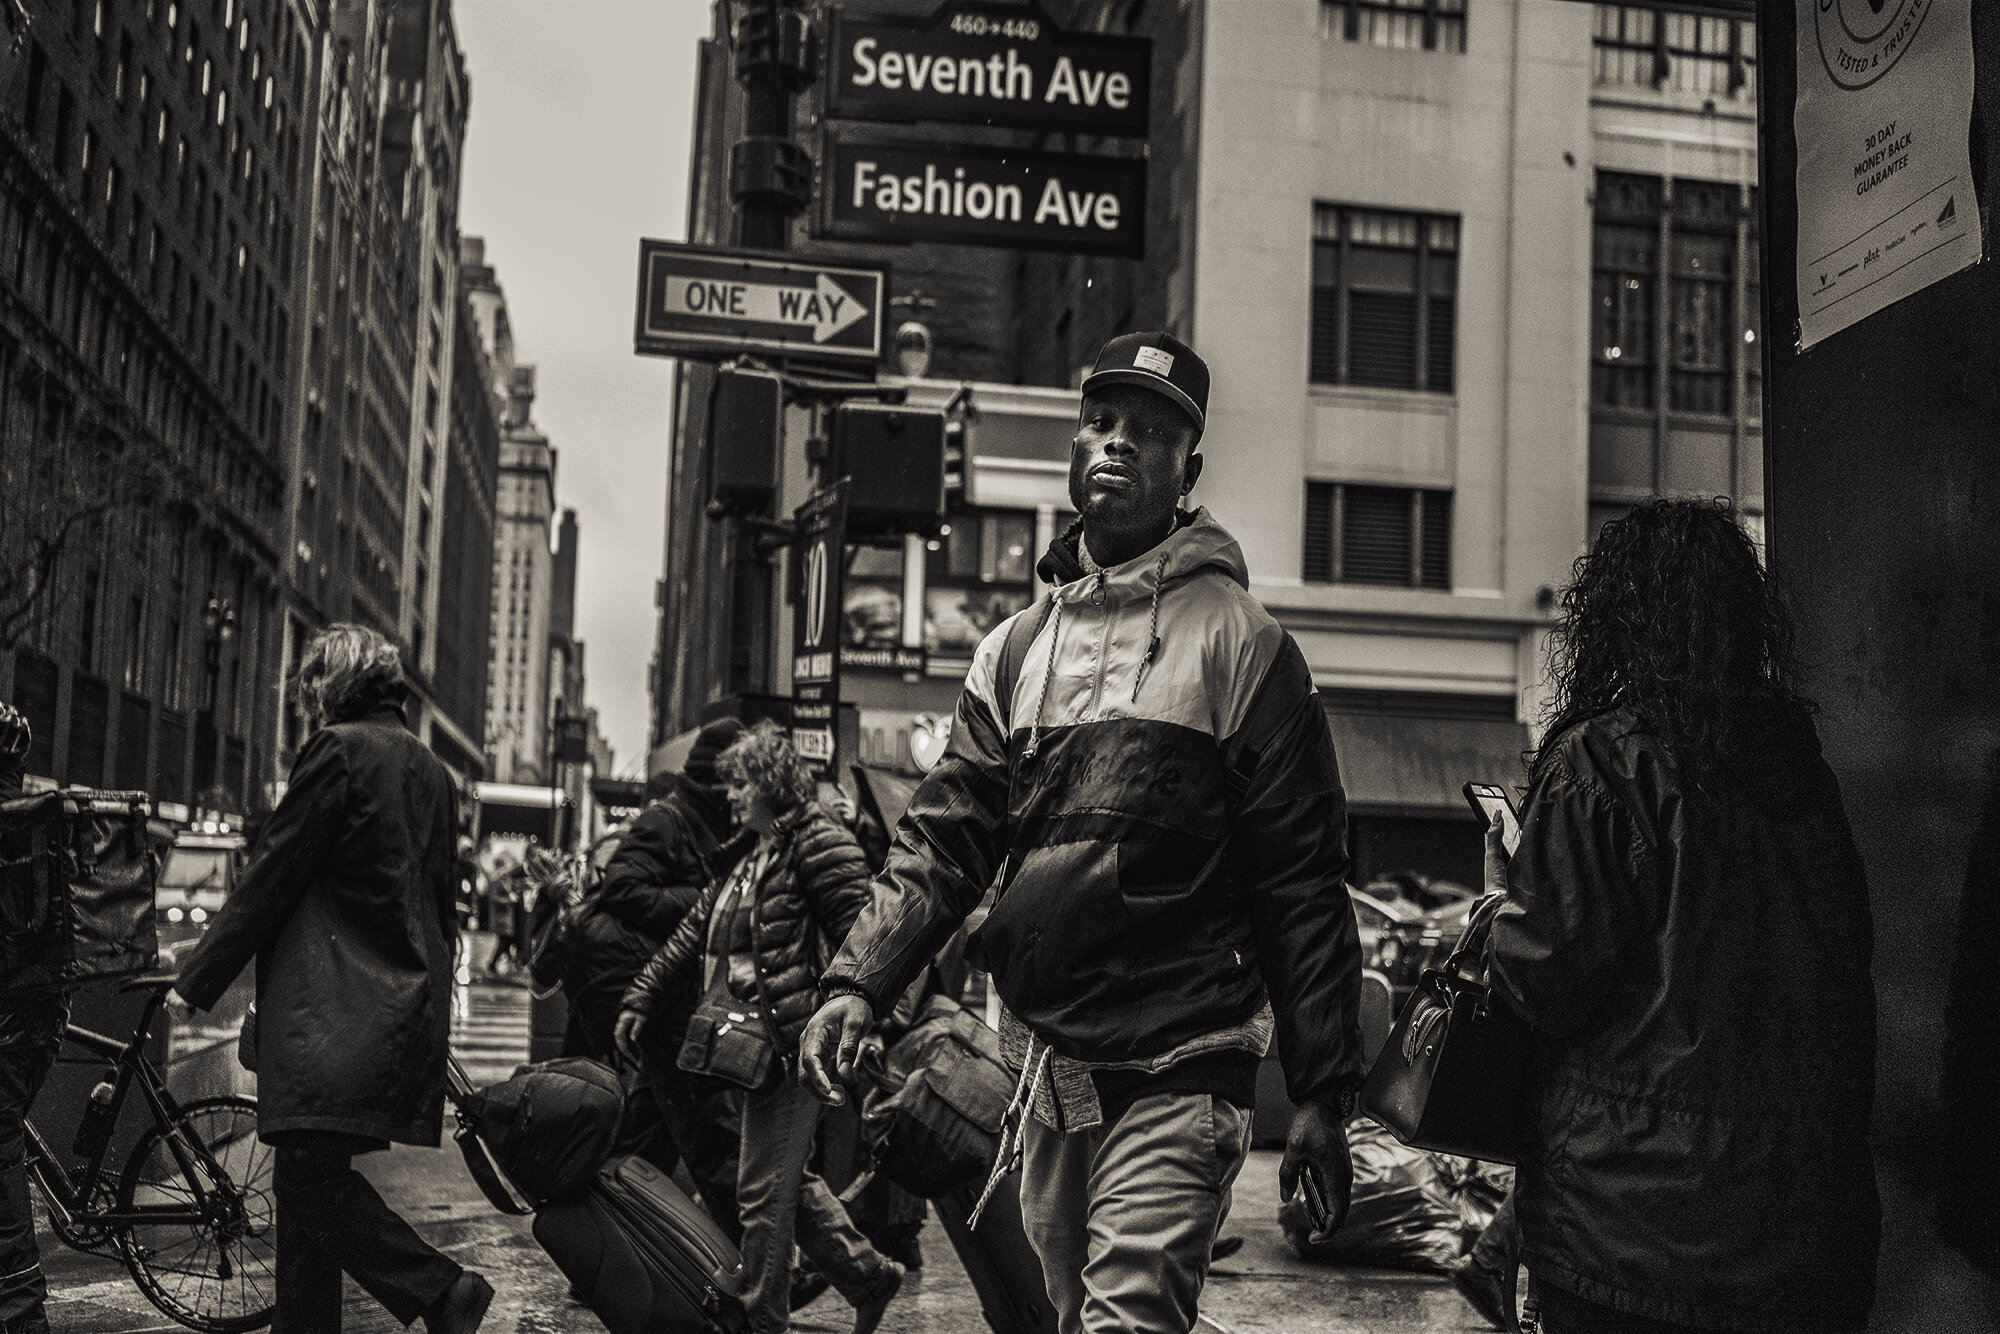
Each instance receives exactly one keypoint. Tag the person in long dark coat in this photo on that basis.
(347, 906)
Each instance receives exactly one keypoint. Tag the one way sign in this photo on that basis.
(702, 302)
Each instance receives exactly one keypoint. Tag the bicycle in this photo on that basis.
(192, 1213)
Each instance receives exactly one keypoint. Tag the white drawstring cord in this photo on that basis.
(1008, 1155)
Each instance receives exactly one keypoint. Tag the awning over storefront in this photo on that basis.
(1393, 764)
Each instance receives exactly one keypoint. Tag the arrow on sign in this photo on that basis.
(823, 308)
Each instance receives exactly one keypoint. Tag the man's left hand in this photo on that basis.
(1319, 1137)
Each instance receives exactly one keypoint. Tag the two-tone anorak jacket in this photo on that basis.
(1158, 799)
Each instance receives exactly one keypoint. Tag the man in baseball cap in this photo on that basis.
(1147, 753)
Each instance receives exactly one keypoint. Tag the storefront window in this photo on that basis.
(977, 573)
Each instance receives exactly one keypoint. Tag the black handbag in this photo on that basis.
(1452, 1077)
(729, 1037)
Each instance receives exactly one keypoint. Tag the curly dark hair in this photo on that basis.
(1673, 616)
(763, 758)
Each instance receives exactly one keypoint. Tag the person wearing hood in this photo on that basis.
(1143, 761)
(663, 861)
(348, 908)
(1687, 933)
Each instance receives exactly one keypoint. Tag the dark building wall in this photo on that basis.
(465, 562)
(148, 183)
(1882, 510)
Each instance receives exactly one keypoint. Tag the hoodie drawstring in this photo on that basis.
(1048, 675)
(1014, 1124)
(1152, 628)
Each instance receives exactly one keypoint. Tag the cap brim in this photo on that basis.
(1166, 389)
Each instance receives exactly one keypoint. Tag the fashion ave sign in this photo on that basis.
(983, 196)
(988, 64)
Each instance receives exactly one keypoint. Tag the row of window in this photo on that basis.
(1679, 51)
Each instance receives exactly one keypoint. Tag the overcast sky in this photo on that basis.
(578, 146)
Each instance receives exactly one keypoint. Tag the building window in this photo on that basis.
(1702, 301)
(1391, 535)
(86, 643)
(1403, 25)
(1385, 298)
(1706, 55)
(135, 644)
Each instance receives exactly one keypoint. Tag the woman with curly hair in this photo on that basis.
(758, 939)
(1687, 933)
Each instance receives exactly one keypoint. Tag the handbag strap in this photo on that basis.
(1478, 926)
(458, 1090)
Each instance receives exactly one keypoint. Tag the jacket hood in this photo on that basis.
(710, 802)
(1196, 541)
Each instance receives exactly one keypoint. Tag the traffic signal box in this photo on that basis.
(746, 423)
(894, 459)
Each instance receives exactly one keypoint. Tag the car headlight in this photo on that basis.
(1388, 951)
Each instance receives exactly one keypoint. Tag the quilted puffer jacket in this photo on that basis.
(813, 889)
(1160, 786)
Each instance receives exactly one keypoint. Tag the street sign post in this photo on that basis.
(966, 195)
(980, 63)
(819, 563)
(709, 303)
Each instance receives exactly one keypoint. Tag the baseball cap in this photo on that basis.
(1159, 362)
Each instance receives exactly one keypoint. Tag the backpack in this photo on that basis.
(549, 1128)
(79, 870)
(941, 1092)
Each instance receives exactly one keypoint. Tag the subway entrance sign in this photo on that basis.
(709, 303)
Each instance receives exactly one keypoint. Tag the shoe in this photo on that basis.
(1490, 1292)
(462, 1307)
(808, 1285)
(1224, 1248)
(868, 1311)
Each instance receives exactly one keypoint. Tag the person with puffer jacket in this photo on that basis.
(762, 933)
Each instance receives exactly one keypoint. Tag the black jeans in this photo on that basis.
(30, 1031)
(1499, 1245)
(331, 1220)
(705, 1118)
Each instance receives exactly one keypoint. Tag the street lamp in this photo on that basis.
(218, 623)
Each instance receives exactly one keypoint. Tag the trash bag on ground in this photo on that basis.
(1410, 1209)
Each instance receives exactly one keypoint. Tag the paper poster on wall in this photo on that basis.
(1886, 205)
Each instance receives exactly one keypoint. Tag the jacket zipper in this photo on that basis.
(1103, 603)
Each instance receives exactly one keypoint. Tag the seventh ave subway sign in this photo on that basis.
(979, 63)
(962, 194)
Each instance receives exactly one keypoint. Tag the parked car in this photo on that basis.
(1417, 940)
(200, 873)
(1380, 918)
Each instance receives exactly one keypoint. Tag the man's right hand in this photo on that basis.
(835, 1034)
(626, 1035)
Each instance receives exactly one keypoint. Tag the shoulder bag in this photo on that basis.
(729, 1037)
(1452, 1076)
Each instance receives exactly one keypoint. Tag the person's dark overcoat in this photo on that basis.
(347, 907)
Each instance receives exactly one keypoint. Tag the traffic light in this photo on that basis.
(894, 460)
(954, 460)
(746, 423)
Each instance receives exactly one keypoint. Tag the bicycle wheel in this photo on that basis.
(220, 1275)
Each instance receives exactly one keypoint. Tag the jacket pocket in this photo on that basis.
(1160, 868)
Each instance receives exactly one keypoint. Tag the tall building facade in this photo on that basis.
(227, 346)
(523, 666)
(1471, 277)
(150, 157)
(373, 462)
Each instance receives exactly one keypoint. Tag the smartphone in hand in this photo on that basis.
(1490, 799)
(1312, 1192)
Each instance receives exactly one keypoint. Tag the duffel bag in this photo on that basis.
(549, 1128)
(79, 872)
(941, 1092)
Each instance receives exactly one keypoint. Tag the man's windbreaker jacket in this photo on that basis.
(1159, 800)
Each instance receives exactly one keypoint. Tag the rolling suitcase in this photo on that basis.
(642, 1255)
(1003, 1267)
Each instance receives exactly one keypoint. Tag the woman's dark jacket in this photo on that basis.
(813, 889)
(670, 851)
(347, 908)
(1694, 958)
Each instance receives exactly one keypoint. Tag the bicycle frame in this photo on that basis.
(196, 1164)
